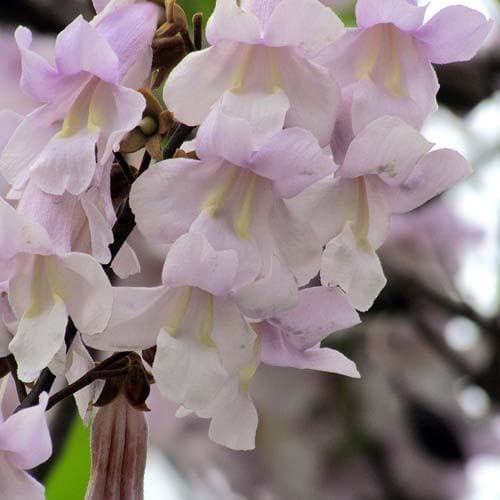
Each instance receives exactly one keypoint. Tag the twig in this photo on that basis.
(96, 373)
(20, 387)
(125, 167)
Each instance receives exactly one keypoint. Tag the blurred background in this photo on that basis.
(423, 422)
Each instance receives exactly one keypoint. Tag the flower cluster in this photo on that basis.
(305, 142)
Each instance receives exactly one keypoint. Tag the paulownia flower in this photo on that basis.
(384, 65)
(24, 444)
(46, 284)
(204, 343)
(389, 168)
(234, 195)
(261, 55)
(87, 100)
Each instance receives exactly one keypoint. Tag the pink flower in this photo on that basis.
(234, 195)
(46, 284)
(87, 100)
(261, 55)
(388, 168)
(204, 342)
(24, 444)
(384, 66)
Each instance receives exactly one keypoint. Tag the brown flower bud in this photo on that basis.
(119, 445)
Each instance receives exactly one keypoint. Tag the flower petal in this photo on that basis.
(206, 74)
(81, 282)
(25, 436)
(454, 34)
(402, 13)
(387, 147)
(314, 96)
(277, 350)
(320, 312)
(140, 21)
(192, 261)
(230, 22)
(66, 164)
(269, 295)
(306, 24)
(299, 151)
(80, 47)
(432, 175)
(356, 270)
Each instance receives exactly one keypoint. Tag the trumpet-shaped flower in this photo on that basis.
(204, 343)
(24, 444)
(384, 65)
(87, 102)
(261, 54)
(46, 285)
(389, 168)
(235, 195)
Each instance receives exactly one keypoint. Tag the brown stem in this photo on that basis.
(127, 171)
(20, 387)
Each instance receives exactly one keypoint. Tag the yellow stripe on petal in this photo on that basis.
(177, 314)
(217, 197)
(207, 323)
(394, 75)
(367, 63)
(242, 71)
(247, 372)
(243, 219)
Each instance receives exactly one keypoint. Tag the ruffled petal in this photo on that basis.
(137, 317)
(18, 154)
(320, 312)
(306, 24)
(454, 34)
(402, 13)
(387, 147)
(186, 371)
(81, 282)
(432, 175)
(294, 160)
(80, 47)
(17, 484)
(313, 94)
(269, 295)
(199, 80)
(25, 436)
(230, 22)
(66, 164)
(140, 22)
(192, 261)
(298, 244)
(356, 270)
(234, 418)
(277, 350)
(167, 198)
(114, 111)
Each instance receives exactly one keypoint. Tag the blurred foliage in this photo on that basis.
(70, 475)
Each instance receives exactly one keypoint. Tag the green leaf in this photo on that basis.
(71, 472)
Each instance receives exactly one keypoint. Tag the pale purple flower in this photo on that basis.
(261, 55)
(46, 284)
(384, 65)
(24, 443)
(204, 342)
(388, 168)
(87, 100)
(234, 195)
